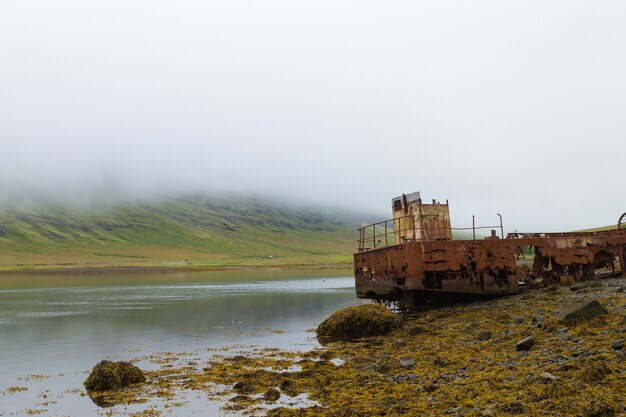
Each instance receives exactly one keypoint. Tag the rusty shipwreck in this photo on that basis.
(412, 259)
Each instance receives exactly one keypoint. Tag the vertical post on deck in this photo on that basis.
(501, 226)
(473, 227)
(374, 235)
(360, 239)
(386, 244)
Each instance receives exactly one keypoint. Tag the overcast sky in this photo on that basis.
(516, 107)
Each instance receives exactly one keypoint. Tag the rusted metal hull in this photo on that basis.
(413, 272)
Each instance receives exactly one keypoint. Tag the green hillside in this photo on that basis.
(193, 231)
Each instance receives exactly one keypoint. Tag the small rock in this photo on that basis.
(471, 325)
(539, 318)
(513, 408)
(398, 343)
(405, 378)
(576, 287)
(484, 335)
(382, 366)
(552, 288)
(439, 361)
(525, 344)
(406, 362)
(518, 320)
(429, 387)
(584, 311)
(487, 412)
(548, 377)
(618, 344)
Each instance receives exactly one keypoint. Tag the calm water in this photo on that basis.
(53, 329)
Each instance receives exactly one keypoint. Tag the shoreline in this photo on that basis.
(101, 270)
(460, 360)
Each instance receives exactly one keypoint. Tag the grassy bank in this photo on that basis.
(193, 232)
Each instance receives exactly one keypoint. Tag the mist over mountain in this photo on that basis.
(512, 108)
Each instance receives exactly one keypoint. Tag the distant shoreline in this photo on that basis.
(166, 269)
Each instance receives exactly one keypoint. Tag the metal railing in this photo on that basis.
(386, 232)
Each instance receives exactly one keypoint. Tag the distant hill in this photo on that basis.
(192, 230)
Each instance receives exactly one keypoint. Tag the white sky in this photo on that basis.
(517, 107)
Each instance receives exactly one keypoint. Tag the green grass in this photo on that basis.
(599, 229)
(210, 231)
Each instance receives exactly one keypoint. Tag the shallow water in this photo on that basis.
(54, 328)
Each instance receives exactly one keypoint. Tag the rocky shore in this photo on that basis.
(556, 351)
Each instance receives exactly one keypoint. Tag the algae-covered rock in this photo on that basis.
(584, 311)
(356, 322)
(107, 376)
(484, 335)
(601, 407)
(289, 387)
(595, 370)
(243, 387)
(272, 395)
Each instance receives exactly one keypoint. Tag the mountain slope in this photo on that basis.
(202, 230)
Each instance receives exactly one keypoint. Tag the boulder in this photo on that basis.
(525, 344)
(359, 321)
(107, 376)
(584, 311)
